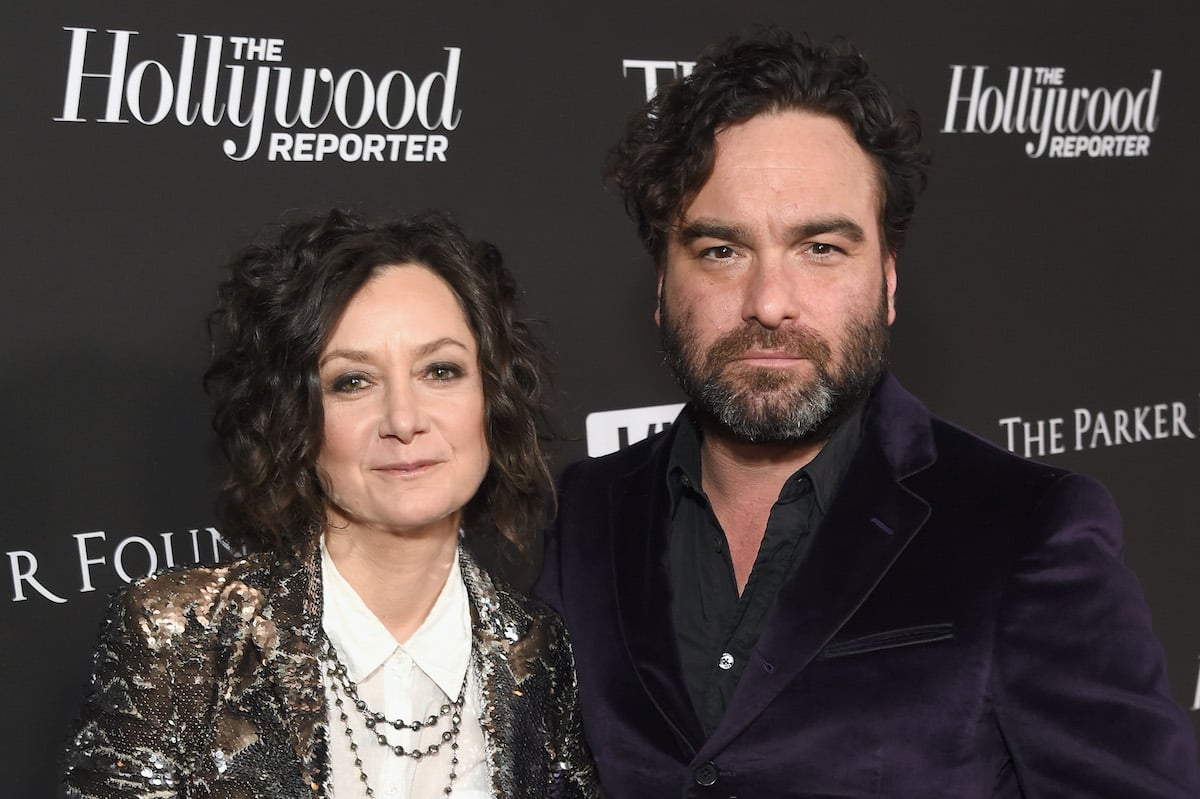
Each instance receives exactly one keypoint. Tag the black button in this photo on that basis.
(705, 774)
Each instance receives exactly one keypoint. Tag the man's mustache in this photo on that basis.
(792, 342)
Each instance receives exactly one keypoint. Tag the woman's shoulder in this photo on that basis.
(192, 584)
(513, 613)
(492, 590)
(184, 601)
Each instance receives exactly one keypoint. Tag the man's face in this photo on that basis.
(776, 293)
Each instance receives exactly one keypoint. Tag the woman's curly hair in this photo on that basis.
(278, 307)
(666, 153)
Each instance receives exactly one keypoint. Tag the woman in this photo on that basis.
(379, 404)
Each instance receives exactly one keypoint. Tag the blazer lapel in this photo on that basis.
(507, 643)
(290, 660)
(489, 655)
(640, 538)
(870, 523)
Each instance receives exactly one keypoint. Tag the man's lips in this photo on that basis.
(775, 358)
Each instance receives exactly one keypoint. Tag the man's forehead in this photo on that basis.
(786, 124)
(806, 157)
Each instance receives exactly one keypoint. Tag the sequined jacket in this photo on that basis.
(207, 684)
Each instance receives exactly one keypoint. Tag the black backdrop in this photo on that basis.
(1033, 289)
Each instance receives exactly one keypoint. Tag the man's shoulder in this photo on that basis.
(907, 428)
(979, 474)
(961, 449)
(628, 459)
(972, 483)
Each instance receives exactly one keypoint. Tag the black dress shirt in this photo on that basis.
(717, 628)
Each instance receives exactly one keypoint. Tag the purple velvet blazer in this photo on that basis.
(962, 626)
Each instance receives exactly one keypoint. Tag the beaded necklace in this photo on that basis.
(346, 689)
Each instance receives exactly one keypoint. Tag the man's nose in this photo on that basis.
(771, 292)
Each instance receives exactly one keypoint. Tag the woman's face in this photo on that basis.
(404, 446)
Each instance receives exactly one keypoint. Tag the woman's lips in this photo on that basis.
(407, 468)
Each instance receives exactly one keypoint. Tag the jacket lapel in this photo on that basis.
(640, 538)
(289, 653)
(507, 643)
(870, 523)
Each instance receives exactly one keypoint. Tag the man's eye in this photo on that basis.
(821, 249)
(719, 253)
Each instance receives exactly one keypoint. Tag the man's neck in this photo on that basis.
(742, 482)
(732, 468)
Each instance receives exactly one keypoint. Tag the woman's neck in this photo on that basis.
(397, 575)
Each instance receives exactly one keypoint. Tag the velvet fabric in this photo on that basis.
(962, 626)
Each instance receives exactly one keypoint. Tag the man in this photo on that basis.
(809, 586)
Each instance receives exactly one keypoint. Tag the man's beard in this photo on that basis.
(761, 404)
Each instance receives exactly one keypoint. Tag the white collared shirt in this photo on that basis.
(410, 681)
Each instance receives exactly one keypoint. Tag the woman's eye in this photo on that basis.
(348, 384)
(444, 371)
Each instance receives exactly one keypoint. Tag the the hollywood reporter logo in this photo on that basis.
(240, 81)
(1065, 121)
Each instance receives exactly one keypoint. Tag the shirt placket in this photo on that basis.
(396, 775)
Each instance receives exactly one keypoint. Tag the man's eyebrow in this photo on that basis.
(842, 225)
(711, 229)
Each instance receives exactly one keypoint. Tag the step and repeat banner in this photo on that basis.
(1047, 297)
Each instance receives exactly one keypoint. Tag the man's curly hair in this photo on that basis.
(278, 307)
(667, 151)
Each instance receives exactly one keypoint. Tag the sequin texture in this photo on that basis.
(206, 683)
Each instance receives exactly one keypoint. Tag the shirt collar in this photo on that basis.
(683, 464)
(441, 646)
(828, 468)
(825, 470)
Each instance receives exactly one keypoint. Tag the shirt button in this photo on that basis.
(726, 661)
(705, 774)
